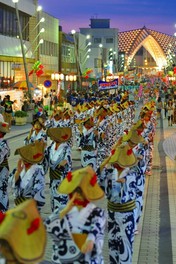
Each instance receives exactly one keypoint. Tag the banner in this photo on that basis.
(107, 85)
(140, 90)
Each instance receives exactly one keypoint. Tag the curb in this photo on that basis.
(17, 135)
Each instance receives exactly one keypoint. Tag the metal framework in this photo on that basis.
(156, 43)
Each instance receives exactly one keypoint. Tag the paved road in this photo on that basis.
(157, 238)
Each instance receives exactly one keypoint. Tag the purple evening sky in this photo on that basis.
(123, 14)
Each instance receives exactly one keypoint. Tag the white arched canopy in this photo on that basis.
(152, 46)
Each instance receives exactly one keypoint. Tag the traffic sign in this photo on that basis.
(47, 83)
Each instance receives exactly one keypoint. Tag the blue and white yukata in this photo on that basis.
(68, 123)
(56, 172)
(76, 132)
(102, 145)
(139, 152)
(149, 134)
(31, 184)
(90, 220)
(88, 144)
(120, 125)
(4, 174)
(40, 136)
(121, 204)
(53, 123)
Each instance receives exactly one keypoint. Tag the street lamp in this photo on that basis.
(71, 78)
(34, 40)
(39, 8)
(59, 77)
(101, 60)
(42, 20)
(22, 48)
(40, 42)
(73, 32)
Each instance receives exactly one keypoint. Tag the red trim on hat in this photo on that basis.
(81, 203)
(93, 180)
(112, 152)
(139, 132)
(34, 226)
(69, 176)
(126, 131)
(37, 155)
(129, 152)
(2, 216)
(65, 137)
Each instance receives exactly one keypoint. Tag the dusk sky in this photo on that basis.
(125, 15)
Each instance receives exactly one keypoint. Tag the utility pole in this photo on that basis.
(22, 49)
(77, 59)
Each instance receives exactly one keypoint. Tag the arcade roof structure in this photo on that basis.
(156, 43)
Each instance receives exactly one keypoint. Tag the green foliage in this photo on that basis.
(20, 114)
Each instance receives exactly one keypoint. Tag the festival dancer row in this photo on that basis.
(117, 177)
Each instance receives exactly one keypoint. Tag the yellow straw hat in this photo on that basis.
(32, 153)
(138, 125)
(22, 234)
(124, 156)
(4, 127)
(57, 112)
(78, 121)
(126, 137)
(136, 137)
(102, 111)
(77, 107)
(40, 121)
(84, 107)
(89, 121)
(84, 178)
(67, 112)
(60, 134)
(116, 108)
(125, 104)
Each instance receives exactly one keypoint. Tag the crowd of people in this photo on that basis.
(9, 107)
(116, 152)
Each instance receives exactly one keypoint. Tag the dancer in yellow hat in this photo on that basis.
(78, 230)
(119, 185)
(58, 155)
(27, 179)
(22, 234)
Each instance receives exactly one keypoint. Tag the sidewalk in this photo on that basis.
(16, 131)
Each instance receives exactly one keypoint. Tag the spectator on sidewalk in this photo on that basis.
(25, 106)
(159, 107)
(15, 106)
(8, 111)
(46, 102)
(2, 113)
(170, 112)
